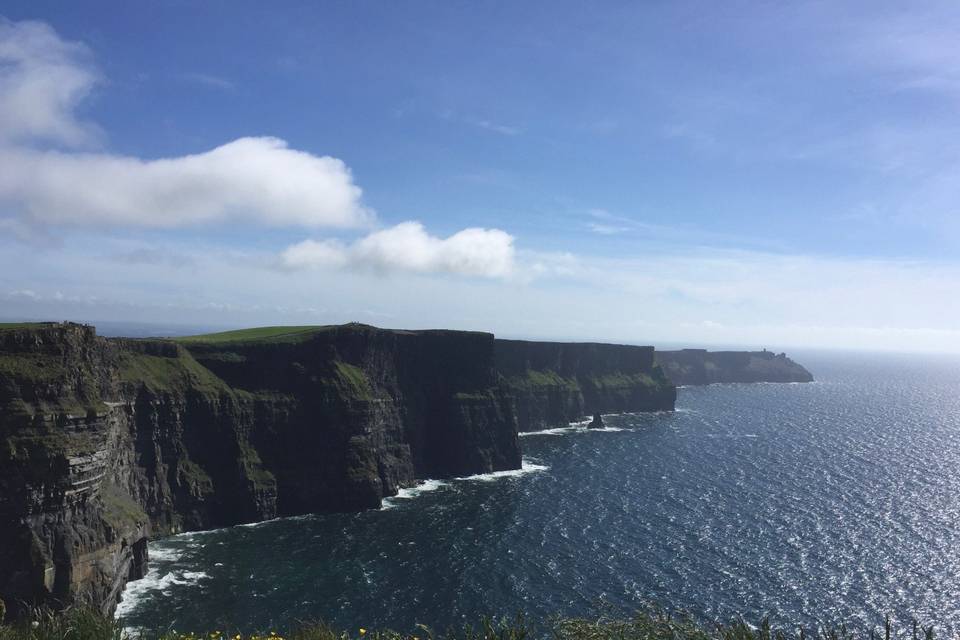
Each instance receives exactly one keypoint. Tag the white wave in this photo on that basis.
(251, 525)
(135, 591)
(190, 535)
(407, 493)
(192, 577)
(163, 554)
(557, 431)
(526, 467)
(575, 427)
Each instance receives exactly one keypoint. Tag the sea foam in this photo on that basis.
(527, 466)
(152, 582)
(407, 493)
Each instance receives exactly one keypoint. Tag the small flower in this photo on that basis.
(36, 624)
(362, 631)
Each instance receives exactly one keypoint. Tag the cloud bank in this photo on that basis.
(252, 180)
(258, 180)
(408, 247)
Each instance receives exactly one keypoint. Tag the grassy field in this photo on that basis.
(257, 334)
(651, 624)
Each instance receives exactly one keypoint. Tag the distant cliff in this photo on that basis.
(105, 443)
(699, 366)
(554, 383)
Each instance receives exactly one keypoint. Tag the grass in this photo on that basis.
(622, 380)
(533, 378)
(119, 509)
(162, 373)
(256, 334)
(33, 368)
(353, 380)
(253, 466)
(648, 624)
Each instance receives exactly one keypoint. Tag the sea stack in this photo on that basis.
(597, 422)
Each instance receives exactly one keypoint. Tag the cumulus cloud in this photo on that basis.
(408, 247)
(42, 79)
(257, 180)
(254, 179)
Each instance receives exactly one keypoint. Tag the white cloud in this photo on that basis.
(257, 179)
(408, 247)
(252, 179)
(721, 298)
(42, 79)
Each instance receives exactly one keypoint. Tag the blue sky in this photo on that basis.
(727, 173)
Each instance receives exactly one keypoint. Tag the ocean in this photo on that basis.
(814, 503)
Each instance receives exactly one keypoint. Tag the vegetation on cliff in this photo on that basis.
(171, 370)
(105, 442)
(256, 334)
(647, 624)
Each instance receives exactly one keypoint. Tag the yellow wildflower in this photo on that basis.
(362, 631)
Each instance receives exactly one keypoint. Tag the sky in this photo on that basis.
(755, 174)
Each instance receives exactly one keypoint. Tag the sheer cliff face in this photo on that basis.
(106, 442)
(699, 366)
(554, 383)
(67, 520)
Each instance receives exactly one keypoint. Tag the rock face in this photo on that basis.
(107, 442)
(104, 443)
(699, 366)
(555, 383)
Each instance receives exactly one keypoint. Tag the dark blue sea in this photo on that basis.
(808, 503)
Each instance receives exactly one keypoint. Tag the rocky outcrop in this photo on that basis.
(699, 366)
(104, 443)
(555, 383)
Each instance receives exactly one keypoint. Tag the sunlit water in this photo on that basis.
(837, 500)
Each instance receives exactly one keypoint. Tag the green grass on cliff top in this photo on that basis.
(24, 325)
(271, 334)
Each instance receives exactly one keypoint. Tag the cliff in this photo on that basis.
(555, 383)
(107, 442)
(699, 366)
(104, 443)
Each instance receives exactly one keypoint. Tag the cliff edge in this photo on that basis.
(699, 366)
(105, 443)
(555, 383)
